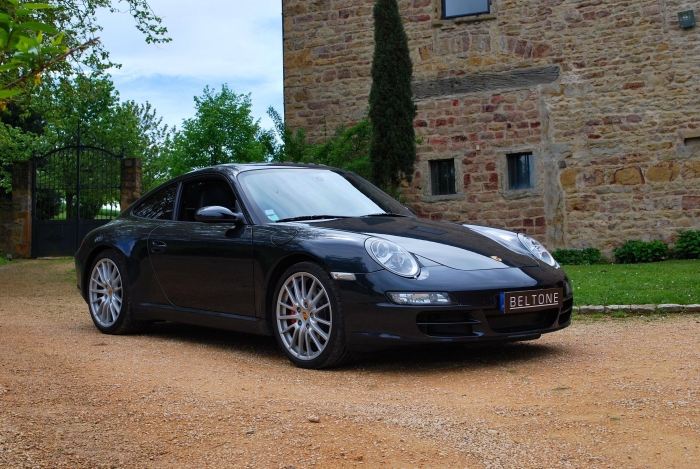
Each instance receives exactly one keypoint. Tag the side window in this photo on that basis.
(160, 205)
(455, 8)
(205, 193)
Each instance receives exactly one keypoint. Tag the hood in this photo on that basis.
(448, 244)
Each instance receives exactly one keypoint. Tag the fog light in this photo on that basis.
(422, 299)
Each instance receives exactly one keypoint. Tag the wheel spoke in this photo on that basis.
(313, 338)
(287, 317)
(308, 345)
(321, 294)
(291, 296)
(320, 332)
(316, 310)
(303, 287)
(322, 321)
(307, 297)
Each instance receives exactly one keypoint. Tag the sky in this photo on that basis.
(213, 42)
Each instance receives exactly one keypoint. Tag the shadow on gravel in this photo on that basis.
(261, 346)
(454, 357)
(415, 360)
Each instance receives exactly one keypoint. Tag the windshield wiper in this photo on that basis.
(310, 217)
(385, 214)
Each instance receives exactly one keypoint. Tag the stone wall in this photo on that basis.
(606, 94)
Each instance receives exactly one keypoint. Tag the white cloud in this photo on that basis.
(214, 42)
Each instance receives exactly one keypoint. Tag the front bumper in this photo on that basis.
(372, 322)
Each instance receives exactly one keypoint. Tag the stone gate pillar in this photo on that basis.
(131, 186)
(22, 174)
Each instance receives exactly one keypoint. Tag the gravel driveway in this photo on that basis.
(609, 393)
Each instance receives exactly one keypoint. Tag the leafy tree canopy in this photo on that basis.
(222, 131)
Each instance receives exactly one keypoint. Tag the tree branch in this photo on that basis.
(52, 62)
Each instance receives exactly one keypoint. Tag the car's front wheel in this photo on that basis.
(308, 317)
(108, 295)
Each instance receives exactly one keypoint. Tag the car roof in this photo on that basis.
(236, 168)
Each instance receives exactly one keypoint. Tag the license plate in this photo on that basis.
(523, 301)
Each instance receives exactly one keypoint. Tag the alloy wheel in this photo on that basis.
(304, 316)
(106, 293)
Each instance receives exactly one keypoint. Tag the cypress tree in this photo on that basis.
(391, 107)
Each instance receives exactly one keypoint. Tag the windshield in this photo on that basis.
(284, 193)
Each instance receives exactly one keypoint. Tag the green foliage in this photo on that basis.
(59, 36)
(688, 245)
(391, 107)
(347, 148)
(586, 256)
(676, 282)
(633, 252)
(28, 45)
(293, 145)
(222, 131)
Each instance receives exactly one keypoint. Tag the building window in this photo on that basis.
(520, 171)
(442, 175)
(455, 8)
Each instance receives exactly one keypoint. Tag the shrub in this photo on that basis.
(633, 252)
(688, 245)
(586, 256)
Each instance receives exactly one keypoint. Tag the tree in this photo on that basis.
(391, 107)
(59, 36)
(222, 131)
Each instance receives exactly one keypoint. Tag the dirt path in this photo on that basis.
(598, 394)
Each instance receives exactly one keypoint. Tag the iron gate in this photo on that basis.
(75, 190)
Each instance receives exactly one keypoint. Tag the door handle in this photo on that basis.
(158, 247)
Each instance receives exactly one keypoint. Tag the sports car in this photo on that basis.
(319, 258)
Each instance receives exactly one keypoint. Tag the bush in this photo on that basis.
(688, 245)
(633, 252)
(588, 256)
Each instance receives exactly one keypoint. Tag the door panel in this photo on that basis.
(205, 266)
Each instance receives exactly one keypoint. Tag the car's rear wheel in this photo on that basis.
(308, 317)
(108, 295)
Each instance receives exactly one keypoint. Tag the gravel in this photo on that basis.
(602, 393)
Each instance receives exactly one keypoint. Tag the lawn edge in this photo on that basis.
(586, 310)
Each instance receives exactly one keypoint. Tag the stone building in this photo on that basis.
(575, 121)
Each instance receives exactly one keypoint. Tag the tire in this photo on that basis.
(108, 295)
(308, 317)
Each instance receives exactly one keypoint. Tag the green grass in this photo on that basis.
(635, 284)
(3, 260)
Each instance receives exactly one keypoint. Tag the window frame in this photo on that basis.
(513, 173)
(444, 9)
(155, 192)
(434, 178)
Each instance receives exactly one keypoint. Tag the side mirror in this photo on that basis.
(217, 214)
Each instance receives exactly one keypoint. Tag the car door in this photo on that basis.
(205, 267)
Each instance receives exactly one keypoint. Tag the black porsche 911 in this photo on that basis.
(319, 258)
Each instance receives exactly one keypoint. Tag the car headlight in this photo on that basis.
(392, 257)
(537, 250)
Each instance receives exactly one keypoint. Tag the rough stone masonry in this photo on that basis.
(605, 94)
